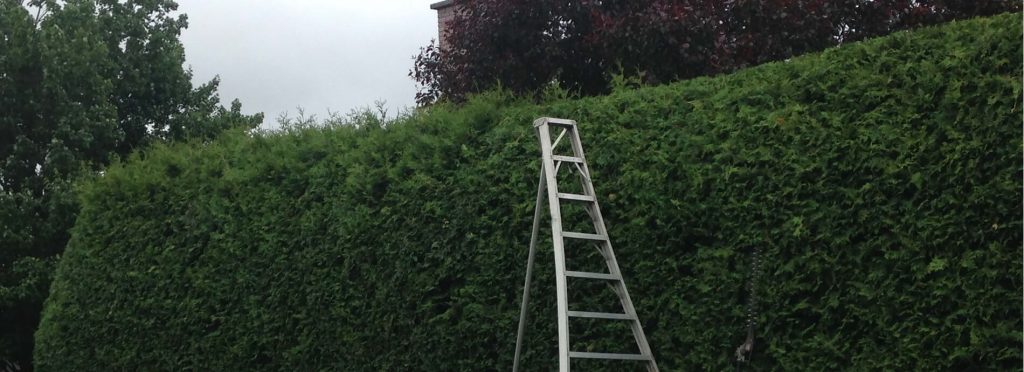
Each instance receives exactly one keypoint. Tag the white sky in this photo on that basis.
(336, 55)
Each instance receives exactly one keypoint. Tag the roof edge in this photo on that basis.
(442, 4)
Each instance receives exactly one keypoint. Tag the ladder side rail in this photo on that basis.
(544, 132)
(613, 265)
(529, 270)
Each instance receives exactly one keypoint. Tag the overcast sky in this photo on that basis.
(274, 55)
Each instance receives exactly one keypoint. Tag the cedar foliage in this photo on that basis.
(880, 179)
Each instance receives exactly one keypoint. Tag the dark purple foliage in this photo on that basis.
(525, 45)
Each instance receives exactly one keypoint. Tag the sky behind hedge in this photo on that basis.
(319, 54)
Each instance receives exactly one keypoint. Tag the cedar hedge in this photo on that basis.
(880, 180)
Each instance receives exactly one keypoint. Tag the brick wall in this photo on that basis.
(445, 13)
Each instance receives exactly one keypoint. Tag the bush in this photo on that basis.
(881, 181)
(526, 45)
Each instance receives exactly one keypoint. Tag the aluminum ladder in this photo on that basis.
(550, 165)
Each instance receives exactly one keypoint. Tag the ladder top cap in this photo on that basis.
(556, 121)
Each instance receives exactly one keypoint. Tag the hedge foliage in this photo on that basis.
(882, 181)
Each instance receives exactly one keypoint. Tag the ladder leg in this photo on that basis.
(556, 239)
(529, 269)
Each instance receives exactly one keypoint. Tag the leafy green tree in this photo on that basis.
(152, 90)
(55, 118)
(82, 82)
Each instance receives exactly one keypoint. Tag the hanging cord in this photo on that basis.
(745, 350)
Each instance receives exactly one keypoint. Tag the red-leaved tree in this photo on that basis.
(525, 45)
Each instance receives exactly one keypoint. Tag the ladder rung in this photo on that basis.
(555, 122)
(580, 354)
(576, 235)
(571, 159)
(581, 274)
(576, 197)
(588, 314)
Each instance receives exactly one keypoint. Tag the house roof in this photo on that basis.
(441, 4)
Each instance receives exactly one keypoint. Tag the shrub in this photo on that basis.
(526, 45)
(881, 181)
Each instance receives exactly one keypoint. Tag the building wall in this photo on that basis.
(445, 13)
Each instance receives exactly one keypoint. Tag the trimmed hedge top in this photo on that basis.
(881, 181)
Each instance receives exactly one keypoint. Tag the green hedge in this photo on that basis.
(882, 181)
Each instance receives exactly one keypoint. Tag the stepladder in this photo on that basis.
(566, 185)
